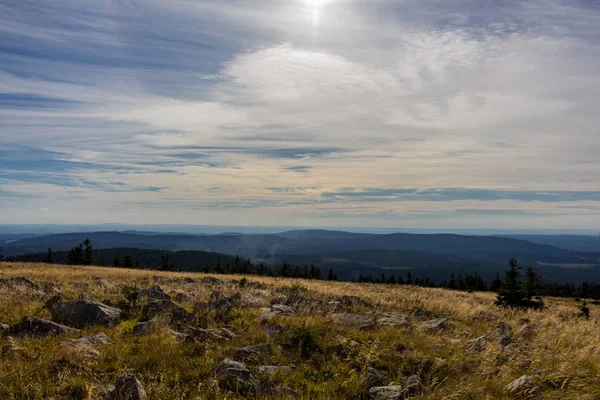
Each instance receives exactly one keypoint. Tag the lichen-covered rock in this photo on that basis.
(274, 369)
(375, 378)
(87, 347)
(435, 324)
(168, 310)
(356, 320)
(128, 387)
(235, 376)
(155, 293)
(395, 392)
(282, 309)
(414, 386)
(391, 320)
(83, 313)
(211, 280)
(208, 334)
(38, 327)
(254, 353)
(485, 316)
(523, 388)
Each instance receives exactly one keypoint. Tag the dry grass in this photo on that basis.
(562, 355)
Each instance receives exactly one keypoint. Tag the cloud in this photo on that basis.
(465, 111)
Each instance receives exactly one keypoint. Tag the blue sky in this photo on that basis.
(379, 113)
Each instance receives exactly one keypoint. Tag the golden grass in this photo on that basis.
(562, 355)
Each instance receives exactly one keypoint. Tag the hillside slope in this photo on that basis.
(327, 340)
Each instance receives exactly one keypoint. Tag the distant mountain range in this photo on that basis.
(559, 258)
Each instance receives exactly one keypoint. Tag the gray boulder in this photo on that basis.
(395, 392)
(356, 320)
(524, 388)
(392, 320)
(282, 309)
(38, 327)
(274, 370)
(235, 376)
(435, 324)
(375, 378)
(167, 309)
(155, 293)
(254, 353)
(128, 387)
(83, 313)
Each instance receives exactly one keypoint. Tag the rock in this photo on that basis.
(478, 344)
(189, 280)
(273, 370)
(392, 320)
(308, 304)
(235, 376)
(524, 321)
(11, 350)
(3, 329)
(256, 285)
(523, 388)
(395, 392)
(375, 378)
(414, 386)
(353, 301)
(98, 340)
(155, 293)
(434, 324)
(182, 297)
(526, 331)
(504, 329)
(20, 281)
(87, 346)
(103, 283)
(148, 327)
(167, 309)
(144, 328)
(83, 313)
(128, 387)
(254, 353)
(207, 334)
(166, 279)
(51, 289)
(282, 309)
(485, 316)
(38, 327)
(358, 320)
(273, 329)
(211, 280)
(420, 314)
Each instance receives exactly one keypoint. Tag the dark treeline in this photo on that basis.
(533, 284)
(211, 262)
(186, 260)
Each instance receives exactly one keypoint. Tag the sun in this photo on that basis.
(316, 6)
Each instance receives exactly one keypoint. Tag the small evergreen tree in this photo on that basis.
(117, 262)
(584, 311)
(127, 262)
(1, 255)
(496, 283)
(409, 280)
(49, 257)
(75, 255)
(533, 283)
(511, 293)
(87, 252)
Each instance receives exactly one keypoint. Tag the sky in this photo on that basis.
(380, 113)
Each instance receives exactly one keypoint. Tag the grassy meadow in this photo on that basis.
(559, 351)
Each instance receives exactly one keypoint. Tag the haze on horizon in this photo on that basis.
(446, 114)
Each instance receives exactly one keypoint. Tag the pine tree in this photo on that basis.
(496, 283)
(409, 280)
(533, 283)
(331, 276)
(49, 257)
(511, 293)
(75, 255)
(127, 262)
(87, 252)
(117, 262)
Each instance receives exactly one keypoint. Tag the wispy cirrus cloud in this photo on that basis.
(469, 112)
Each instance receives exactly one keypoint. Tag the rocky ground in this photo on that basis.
(104, 333)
